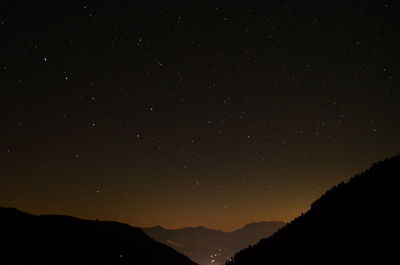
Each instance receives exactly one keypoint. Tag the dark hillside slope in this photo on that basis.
(353, 223)
(51, 239)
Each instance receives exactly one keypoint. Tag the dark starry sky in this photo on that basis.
(181, 113)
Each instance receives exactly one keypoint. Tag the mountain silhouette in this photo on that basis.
(353, 223)
(208, 246)
(63, 240)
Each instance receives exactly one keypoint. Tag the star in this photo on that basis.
(197, 183)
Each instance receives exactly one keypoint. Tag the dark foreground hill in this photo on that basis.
(63, 240)
(353, 223)
(208, 246)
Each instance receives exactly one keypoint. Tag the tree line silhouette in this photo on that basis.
(352, 223)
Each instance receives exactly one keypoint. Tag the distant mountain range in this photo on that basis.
(208, 246)
(353, 223)
(62, 240)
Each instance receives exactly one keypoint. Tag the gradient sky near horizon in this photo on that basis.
(186, 113)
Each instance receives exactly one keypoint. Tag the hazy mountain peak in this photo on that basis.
(262, 223)
(65, 240)
(210, 246)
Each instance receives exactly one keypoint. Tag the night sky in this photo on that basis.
(186, 113)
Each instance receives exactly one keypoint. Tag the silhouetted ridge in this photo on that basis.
(63, 240)
(210, 246)
(352, 223)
